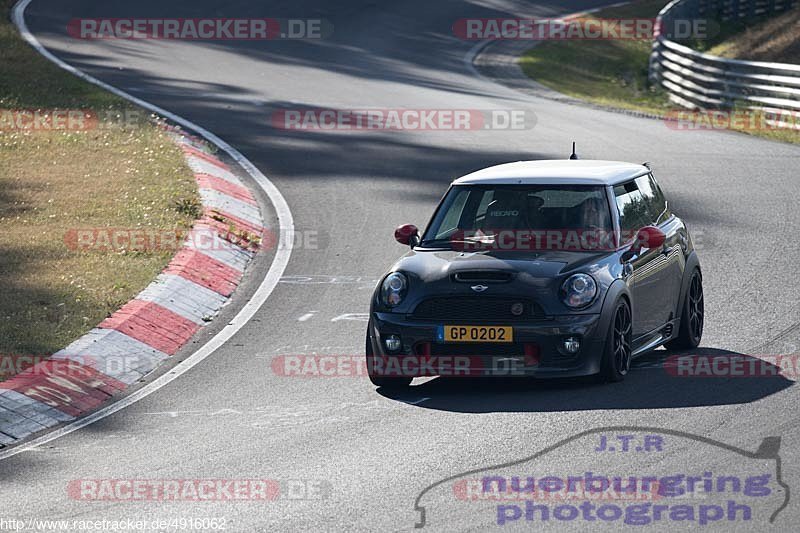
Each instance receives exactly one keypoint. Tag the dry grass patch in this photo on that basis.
(118, 174)
(776, 39)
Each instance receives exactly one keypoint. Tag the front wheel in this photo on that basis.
(692, 318)
(616, 361)
(378, 380)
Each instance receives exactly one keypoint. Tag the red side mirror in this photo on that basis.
(407, 234)
(649, 237)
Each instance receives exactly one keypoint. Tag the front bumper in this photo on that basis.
(535, 352)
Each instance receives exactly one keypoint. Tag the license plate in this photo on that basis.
(476, 334)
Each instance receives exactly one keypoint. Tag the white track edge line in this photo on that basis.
(266, 287)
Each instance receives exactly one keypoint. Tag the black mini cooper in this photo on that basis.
(538, 268)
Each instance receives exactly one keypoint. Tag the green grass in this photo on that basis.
(606, 72)
(117, 175)
(613, 73)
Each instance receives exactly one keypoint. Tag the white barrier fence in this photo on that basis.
(696, 80)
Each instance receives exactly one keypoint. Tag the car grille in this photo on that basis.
(472, 308)
(492, 350)
(485, 350)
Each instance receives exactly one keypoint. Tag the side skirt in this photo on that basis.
(654, 339)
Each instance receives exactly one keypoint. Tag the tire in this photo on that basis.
(690, 332)
(382, 381)
(616, 361)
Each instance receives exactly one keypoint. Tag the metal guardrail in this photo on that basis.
(696, 80)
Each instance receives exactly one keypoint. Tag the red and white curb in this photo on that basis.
(130, 343)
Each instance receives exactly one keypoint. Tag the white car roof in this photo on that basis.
(561, 171)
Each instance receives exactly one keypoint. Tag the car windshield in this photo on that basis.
(522, 217)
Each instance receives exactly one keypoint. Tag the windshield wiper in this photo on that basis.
(445, 241)
(468, 240)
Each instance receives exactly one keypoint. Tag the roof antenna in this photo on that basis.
(574, 155)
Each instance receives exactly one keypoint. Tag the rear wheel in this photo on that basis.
(616, 362)
(692, 318)
(382, 381)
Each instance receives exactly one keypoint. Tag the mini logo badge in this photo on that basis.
(479, 288)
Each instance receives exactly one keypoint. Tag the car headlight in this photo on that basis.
(394, 289)
(578, 290)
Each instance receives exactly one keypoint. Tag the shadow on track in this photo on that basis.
(648, 386)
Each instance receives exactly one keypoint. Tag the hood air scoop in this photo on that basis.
(483, 276)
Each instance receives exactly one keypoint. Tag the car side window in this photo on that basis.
(646, 188)
(653, 198)
(660, 206)
(634, 213)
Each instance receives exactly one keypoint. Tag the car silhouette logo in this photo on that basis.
(479, 288)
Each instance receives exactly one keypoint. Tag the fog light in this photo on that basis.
(392, 343)
(572, 345)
